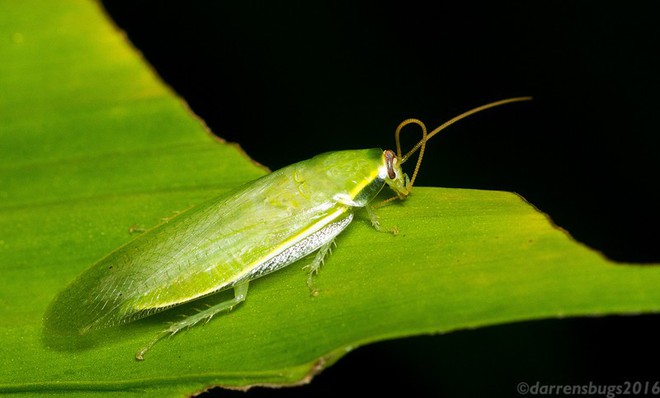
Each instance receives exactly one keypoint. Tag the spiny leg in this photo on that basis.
(240, 292)
(316, 265)
(375, 222)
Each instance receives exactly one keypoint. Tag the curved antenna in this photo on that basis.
(422, 143)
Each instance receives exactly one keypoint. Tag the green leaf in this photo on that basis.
(93, 145)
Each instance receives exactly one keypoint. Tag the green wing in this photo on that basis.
(213, 245)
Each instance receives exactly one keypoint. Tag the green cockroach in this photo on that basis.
(233, 239)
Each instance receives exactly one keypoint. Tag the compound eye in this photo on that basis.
(389, 163)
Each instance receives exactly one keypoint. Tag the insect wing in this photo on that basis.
(199, 252)
(214, 245)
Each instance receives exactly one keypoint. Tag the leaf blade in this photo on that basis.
(82, 161)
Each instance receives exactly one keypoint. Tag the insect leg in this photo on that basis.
(375, 222)
(370, 211)
(316, 265)
(240, 292)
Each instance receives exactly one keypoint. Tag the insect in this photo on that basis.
(235, 238)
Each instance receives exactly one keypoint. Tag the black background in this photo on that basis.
(290, 81)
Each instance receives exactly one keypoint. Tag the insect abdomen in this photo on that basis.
(300, 249)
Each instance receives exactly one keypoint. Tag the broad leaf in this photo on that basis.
(94, 147)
